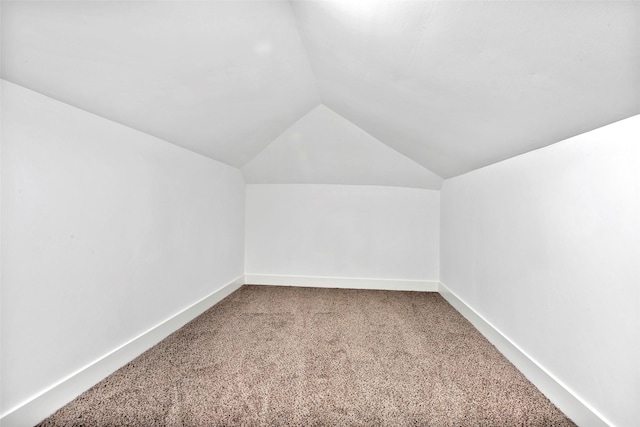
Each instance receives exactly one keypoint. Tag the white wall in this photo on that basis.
(546, 246)
(106, 232)
(342, 231)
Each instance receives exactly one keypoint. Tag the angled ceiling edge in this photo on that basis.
(323, 147)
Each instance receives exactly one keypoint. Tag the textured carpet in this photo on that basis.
(302, 356)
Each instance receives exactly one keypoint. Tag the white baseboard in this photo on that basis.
(561, 396)
(46, 403)
(342, 282)
(41, 406)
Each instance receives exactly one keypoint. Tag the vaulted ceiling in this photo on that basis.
(448, 85)
(220, 78)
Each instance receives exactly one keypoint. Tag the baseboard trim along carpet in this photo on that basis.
(342, 282)
(574, 407)
(46, 403)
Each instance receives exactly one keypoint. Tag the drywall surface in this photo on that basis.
(222, 78)
(457, 85)
(342, 231)
(325, 148)
(106, 232)
(546, 246)
(453, 85)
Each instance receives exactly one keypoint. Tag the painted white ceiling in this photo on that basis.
(452, 85)
(325, 148)
(458, 85)
(220, 78)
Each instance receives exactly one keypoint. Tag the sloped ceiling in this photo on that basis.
(452, 85)
(458, 85)
(325, 148)
(221, 78)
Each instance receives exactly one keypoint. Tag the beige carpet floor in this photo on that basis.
(280, 356)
